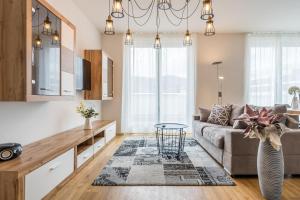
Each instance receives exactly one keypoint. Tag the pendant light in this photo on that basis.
(38, 41)
(207, 11)
(47, 26)
(109, 26)
(164, 4)
(117, 10)
(55, 36)
(187, 37)
(210, 29)
(128, 37)
(157, 44)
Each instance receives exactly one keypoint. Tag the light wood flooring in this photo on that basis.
(79, 187)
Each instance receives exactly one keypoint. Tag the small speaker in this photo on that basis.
(10, 151)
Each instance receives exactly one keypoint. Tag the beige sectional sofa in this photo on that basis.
(238, 154)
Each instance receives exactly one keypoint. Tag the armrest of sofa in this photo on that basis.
(235, 143)
(291, 142)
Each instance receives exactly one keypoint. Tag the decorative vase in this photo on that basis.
(270, 169)
(295, 102)
(88, 124)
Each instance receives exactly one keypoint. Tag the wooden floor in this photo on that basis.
(79, 187)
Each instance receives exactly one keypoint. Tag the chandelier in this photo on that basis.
(159, 8)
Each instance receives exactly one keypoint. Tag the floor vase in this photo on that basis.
(270, 168)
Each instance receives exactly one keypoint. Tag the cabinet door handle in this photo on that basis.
(68, 91)
(54, 167)
(86, 156)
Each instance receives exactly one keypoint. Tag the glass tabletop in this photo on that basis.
(170, 126)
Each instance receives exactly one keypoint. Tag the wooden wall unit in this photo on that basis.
(16, 71)
(54, 160)
(101, 75)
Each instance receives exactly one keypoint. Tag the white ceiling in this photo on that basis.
(231, 16)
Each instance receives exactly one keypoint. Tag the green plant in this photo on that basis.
(86, 112)
(294, 90)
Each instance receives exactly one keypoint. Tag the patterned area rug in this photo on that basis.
(137, 162)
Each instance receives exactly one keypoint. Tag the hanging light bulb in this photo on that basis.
(55, 36)
(128, 38)
(47, 26)
(38, 41)
(117, 10)
(109, 26)
(210, 29)
(164, 4)
(207, 10)
(157, 44)
(187, 37)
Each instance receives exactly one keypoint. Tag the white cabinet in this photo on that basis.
(67, 83)
(110, 132)
(42, 180)
(84, 156)
(67, 36)
(98, 145)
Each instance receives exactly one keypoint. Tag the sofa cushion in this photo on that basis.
(204, 114)
(199, 126)
(220, 115)
(236, 111)
(214, 135)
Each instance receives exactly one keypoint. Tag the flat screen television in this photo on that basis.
(83, 74)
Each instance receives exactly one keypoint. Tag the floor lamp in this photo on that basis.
(220, 79)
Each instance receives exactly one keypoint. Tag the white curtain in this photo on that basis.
(158, 85)
(272, 66)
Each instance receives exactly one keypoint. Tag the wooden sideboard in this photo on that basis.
(46, 164)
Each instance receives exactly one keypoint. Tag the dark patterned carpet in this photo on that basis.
(137, 162)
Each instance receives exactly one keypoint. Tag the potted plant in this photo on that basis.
(294, 90)
(267, 127)
(87, 113)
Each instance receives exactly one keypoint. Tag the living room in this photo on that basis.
(158, 99)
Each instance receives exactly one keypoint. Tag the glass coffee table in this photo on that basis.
(170, 139)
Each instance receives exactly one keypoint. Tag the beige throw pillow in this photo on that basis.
(204, 114)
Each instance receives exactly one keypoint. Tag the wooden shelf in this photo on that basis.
(84, 146)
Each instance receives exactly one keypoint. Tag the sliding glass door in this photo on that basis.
(157, 87)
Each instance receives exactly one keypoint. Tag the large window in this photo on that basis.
(273, 65)
(158, 86)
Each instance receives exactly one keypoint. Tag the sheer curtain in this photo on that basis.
(272, 66)
(158, 85)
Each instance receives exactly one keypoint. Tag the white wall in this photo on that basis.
(229, 48)
(226, 47)
(113, 46)
(27, 122)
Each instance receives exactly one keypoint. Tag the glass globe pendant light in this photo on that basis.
(164, 4)
(210, 29)
(109, 26)
(207, 10)
(117, 10)
(187, 37)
